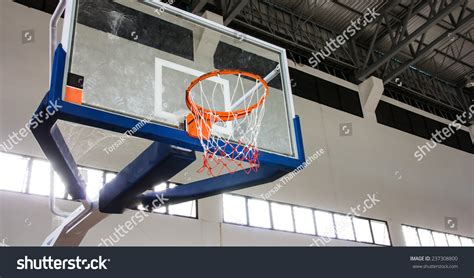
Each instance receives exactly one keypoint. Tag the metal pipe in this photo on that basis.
(53, 43)
(52, 201)
(274, 73)
(53, 36)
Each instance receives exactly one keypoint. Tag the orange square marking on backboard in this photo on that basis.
(193, 129)
(73, 95)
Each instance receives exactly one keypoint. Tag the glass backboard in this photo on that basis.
(136, 59)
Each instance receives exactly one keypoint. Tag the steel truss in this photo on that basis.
(449, 45)
(302, 36)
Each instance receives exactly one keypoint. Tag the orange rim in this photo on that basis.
(224, 116)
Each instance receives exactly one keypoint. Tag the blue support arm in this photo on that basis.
(158, 163)
(54, 147)
(212, 186)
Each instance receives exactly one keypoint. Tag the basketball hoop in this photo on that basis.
(235, 141)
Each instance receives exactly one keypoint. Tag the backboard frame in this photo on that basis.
(120, 192)
(284, 160)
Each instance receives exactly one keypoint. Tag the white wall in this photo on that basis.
(375, 159)
(26, 221)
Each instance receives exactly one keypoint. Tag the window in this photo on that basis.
(297, 219)
(59, 187)
(109, 177)
(186, 209)
(34, 176)
(15, 174)
(235, 209)
(439, 239)
(411, 236)
(325, 224)
(161, 209)
(259, 213)
(304, 220)
(161, 187)
(380, 232)
(344, 229)
(40, 181)
(453, 240)
(425, 237)
(183, 209)
(362, 230)
(467, 242)
(158, 188)
(94, 180)
(282, 217)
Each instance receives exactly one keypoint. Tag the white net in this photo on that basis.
(227, 110)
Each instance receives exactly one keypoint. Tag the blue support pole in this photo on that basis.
(212, 186)
(158, 163)
(54, 147)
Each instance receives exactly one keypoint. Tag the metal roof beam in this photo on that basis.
(402, 43)
(198, 6)
(281, 24)
(426, 50)
(235, 11)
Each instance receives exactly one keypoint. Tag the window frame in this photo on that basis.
(313, 210)
(416, 228)
(27, 182)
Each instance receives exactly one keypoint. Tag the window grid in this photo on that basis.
(315, 224)
(354, 230)
(385, 232)
(271, 214)
(370, 239)
(194, 208)
(27, 182)
(287, 210)
(333, 224)
(325, 224)
(345, 228)
(372, 233)
(27, 179)
(293, 218)
(259, 213)
(313, 210)
(247, 210)
(313, 230)
(459, 237)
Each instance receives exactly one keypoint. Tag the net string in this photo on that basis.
(232, 151)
